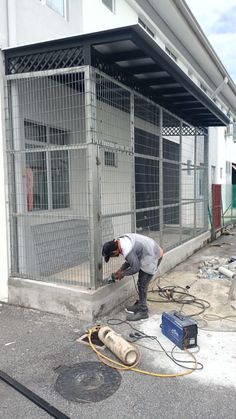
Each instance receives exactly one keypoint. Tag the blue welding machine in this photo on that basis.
(180, 329)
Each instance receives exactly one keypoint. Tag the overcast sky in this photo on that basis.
(217, 18)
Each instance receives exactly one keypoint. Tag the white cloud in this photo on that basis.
(217, 19)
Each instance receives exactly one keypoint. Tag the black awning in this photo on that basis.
(131, 56)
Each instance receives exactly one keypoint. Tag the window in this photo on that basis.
(221, 172)
(110, 158)
(58, 6)
(190, 74)
(109, 4)
(47, 171)
(146, 27)
(203, 88)
(234, 132)
(189, 170)
(200, 181)
(173, 56)
(228, 168)
(213, 175)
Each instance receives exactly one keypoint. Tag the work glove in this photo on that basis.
(119, 274)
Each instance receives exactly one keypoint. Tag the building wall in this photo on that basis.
(32, 21)
(102, 18)
(222, 153)
(28, 21)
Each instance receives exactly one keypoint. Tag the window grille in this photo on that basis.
(47, 172)
(110, 158)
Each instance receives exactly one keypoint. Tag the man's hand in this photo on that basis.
(119, 274)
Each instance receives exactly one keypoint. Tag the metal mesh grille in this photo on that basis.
(89, 160)
(46, 136)
(41, 61)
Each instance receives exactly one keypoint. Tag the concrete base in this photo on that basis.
(182, 252)
(88, 304)
(69, 301)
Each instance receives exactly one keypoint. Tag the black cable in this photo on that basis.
(186, 362)
(179, 295)
(141, 335)
(43, 404)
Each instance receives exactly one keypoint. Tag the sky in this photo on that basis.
(217, 18)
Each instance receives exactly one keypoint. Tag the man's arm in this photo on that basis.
(124, 266)
(132, 264)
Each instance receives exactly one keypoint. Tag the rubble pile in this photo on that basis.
(217, 268)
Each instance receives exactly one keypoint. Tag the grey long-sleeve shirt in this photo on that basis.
(144, 255)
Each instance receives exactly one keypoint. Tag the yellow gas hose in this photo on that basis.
(117, 365)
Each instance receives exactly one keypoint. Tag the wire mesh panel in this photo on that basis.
(201, 182)
(147, 167)
(116, 161)
(48, 174)
(89, 160)
(171, 134)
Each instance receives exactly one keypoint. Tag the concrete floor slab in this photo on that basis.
(35, 345)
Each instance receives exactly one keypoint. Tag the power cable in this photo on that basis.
(138, 335)
(118, 365)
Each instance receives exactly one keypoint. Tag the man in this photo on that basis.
(143, 255)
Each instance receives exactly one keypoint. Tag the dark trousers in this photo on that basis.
(143, 283)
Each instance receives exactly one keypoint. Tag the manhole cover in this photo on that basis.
(87, 382)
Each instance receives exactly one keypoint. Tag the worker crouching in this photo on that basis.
(143, 255)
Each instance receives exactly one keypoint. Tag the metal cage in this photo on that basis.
(88, 160)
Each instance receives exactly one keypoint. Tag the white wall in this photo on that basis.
(3, 24)
(222, 149)
(32, 21)
(97, 17)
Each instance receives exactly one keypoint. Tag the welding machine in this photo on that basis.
(180, 329)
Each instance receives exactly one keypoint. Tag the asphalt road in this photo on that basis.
(34, 346)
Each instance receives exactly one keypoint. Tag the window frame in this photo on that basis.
(64, 16)
(48, 154)
(114, 153)
(112, 9)
(171, 54)
(146, 27)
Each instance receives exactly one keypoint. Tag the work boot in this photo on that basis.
(133, 308)
(138, 315)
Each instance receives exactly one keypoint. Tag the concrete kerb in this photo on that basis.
(88, 304)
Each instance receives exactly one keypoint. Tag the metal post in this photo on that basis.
(195, 182)
(3, 197)
(132, 134)
(206, 177)
(180, 183)
(94, 179)
(161, 218)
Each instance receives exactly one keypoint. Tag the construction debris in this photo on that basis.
(228, 233)
(217, 268)
(232, 291)
(233, 305)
